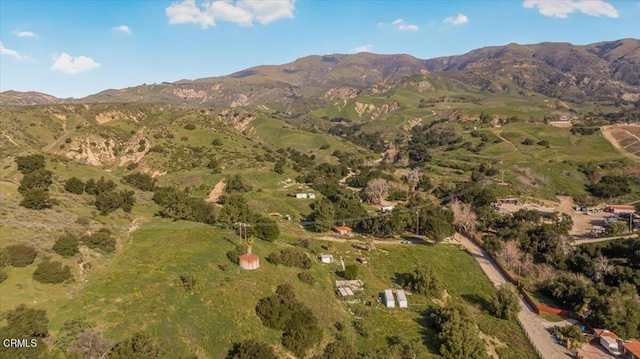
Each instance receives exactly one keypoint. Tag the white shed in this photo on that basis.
(389, 301)
(311, 195)
(402, 299)
(326, 258)
(301, 195)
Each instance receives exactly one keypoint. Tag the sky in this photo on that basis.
(73, 48)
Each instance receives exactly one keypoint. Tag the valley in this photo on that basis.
(142, 195)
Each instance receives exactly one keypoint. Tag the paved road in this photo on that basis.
(530, 321)
(578, 242)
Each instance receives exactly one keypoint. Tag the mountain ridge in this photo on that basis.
(603, 71)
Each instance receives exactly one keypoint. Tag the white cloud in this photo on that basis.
(401, 25)
(241, 12)
(363, 48)
(24, 34)
(73, 64)
(122, 28)
(457, 20)
(13, 53)
(562, 8)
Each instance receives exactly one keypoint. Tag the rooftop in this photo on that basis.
(249, 257)
(633, 347)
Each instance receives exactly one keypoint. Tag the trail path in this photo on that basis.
(216, 191)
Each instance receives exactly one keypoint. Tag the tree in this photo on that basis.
(101, 240)
(413, 178)
(37, 199)
(572, 334)
(423, 280)
(602, 267)
(30, 163)
(25, 323)
(510, 255)
(351, 272)
(251, 349)
(322, 215)
(457, 334)
(506, 304)
(38, 179)
(141, 181)
(109, 201)
(376, 190)
(66, 245)
(74, 185)
(266, 229)
(69, 332)
(615, 228)
(463, 216)
(278, 167)
(437, 223)
(339, 349)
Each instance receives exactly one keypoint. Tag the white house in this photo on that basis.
(301, 195)
(389, 301)
(326, 258)
(386, 208)
(311, 195)
(402, 299)
(608, 340)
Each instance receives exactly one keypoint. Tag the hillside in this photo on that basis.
(606, 71)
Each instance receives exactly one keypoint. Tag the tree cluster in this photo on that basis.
(179, 205)
(35, 182)
(17, 255)
(282, 311)
(51, 272)
(457, 335)
(290, 257)
(423, 280)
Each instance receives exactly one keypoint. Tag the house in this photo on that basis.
(345, 292)
(631, 350)
(301, 195)
(311, 195)
(326, 258)
(615, 209)
(402, 299)
(608, 340)
(343, 230)
(386, 208)
(389, 301)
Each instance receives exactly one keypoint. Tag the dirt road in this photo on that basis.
(533, 325)
(606, 133)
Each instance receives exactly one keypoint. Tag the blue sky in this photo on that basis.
(76, 48)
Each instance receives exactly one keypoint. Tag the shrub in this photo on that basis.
(528, 142)
(3, 276)
(423, 280)
(325, 146)
(188, 282)
(190, 126)
(506, 304)
(306, 277)
(133, 165)
(141, 181)
(30, 163)
(101, 240)
(66, 246)
(543, 143)
(217, 142)
(38, 179)
(74, 185)
(107, 202)
(351, 272)
(251, 349)
(37, 199)
(51, 272)
(19, 255)
(290, 257)
(139, 346)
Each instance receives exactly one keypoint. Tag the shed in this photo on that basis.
(608, 340)
(386, 208)
(389, 301)
(615, 209)
(301, 195)
(326, 258)
(631, 350)
(345, 292)
(343, 230)
(311, 195)
(249, 261)
(402, 299)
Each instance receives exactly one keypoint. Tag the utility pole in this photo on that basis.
(417, 222)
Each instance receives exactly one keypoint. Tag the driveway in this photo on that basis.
(533, 325)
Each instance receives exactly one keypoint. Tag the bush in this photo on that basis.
(74, 185)
(19, 255)
(251, 349)
(28, 164)
(141, 181)
(51, 272)
(544, 143)
(506, 304)
(101, 240)
(423, 280)
(38, 179)
(140, 346)
(188, 282)
(37, 199)
(133, 165)
(528, 141)
(290, 257)
(306, 277)
(3, 276)
(217, 142)
(325, 146)
(66, 246)
(351, 272)
(190, 126)
(107, 202)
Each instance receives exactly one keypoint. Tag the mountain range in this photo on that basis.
(604, 71)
